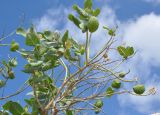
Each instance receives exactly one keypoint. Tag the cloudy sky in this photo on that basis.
(139, 26)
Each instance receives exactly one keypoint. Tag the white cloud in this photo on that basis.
(142, 33)
(51, 19)
(153, 1)
(145, 36)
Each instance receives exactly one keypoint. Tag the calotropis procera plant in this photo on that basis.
(64, 78)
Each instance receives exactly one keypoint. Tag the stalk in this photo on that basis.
(88, 39)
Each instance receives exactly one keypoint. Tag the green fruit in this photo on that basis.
(11, 74)
(139, 89)
(116, 84)
(122, 75)
(97, 111)
(14, 46)
(2, 83)
(93, 24)
(98, 104)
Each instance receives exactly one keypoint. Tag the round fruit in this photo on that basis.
(11, 74)
(116, 84)
(14, 46)
(93, 24)
(2, 83)
(122, 75)
(98, 104)
(97, 111)
(139, 89)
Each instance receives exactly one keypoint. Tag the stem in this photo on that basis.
(4, 44)
(87, 48)
(66, 69)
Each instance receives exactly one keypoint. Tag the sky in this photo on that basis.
(139, 25)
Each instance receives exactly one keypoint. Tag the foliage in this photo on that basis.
(83, 84)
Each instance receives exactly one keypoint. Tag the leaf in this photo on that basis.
(129, 51)
(88, 4)
(111, 32)
(48, 34)
(106, 28)
(75, 20)
(68, 56)
(13, 107)
(13, 62)
(69, 112)
(30, 69)
(48, 65)
(36, 64)
(109, 92)
(74, 43)
(125, 52)
(2, 83)
(83, 27)
(51, 36)
(65, 38)
(31, 102)
(80, 11)
(122, 51)
(4, 113)
(21, 31)
(32, 38)
(96, 12)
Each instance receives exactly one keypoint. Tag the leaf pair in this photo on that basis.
(31, 36)
(14, 108)
(125, 52)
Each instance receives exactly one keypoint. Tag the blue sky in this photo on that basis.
(139, 25)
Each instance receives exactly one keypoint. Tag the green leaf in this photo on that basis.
(129, 51)
(68, 56)
(74, 43)
(13, 107)
(88, 4)
(111, 32)
(48, 34)
(125, 52)
(105, 27)
(31, 102)
(13, 62)
(122, 51)
(4, 113)
(75, 20)
(51, 36)
(2, 83)
(69, 112)
(80, 11)
(32, 38)
(96, 12)
(49, 65)
(36, 64)
(65, 38)
(21, 31)
(83, 26)
(109, 92)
